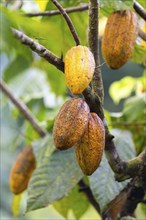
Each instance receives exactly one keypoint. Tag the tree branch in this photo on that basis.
(140, 10)
(134, 198)
(68, 21)
(94, 46)
(133, 167)
(39, 49)
(142, 34)
(23, 109)
(57, 12)
(87, 191)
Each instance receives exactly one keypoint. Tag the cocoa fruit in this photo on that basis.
(70, 123)
(22, 170)
(119, 37)
(90, 147)
(79, 68)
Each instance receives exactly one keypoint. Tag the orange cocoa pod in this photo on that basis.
(119, 37)
(90, 147)
(70, 123)
(21, 171)
(79, 68)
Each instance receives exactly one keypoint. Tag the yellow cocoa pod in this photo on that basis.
(119, 37)
(70, 123)
(90, 148)
(79, 68)
(22, 170)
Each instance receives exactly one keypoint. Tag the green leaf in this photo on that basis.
(133, 116)
(124, 144)
(107, 7)
(141, 2)
(139, 54)
(75, 201)
(10, 127)
(43, 146)
(134, 113)
(55, 177)
(135, 107)
(140, 211)
(55, 77)
(19, 64)
(102, 182)
(122, 88)
(44, 32)
(33, 84)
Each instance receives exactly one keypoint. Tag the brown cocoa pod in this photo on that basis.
(90, 147)
(21, 171)
(70, 123)
(119, 37)
(79, 68)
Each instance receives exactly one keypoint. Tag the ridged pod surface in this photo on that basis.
(90, 148)
(70, 123)
(79, 68)
(21, 171)
(119, 37)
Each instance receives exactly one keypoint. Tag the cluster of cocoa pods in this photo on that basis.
(76, 126)
(119, 38)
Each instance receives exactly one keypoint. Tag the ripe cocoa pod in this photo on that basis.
(119, 37)
(79, 68)
(70, 123)
(22, 170)
(90, 148)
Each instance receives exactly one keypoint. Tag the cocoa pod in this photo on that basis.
(70, 123)
(79, 68)
(119, 37)
(22, 170)
(90, 148)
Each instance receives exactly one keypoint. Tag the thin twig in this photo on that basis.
(140, 10)
(23, 109)
(68, 21)
(94, 47)
(87, 191)
(39, 49)
(142, 34)
(57, 12)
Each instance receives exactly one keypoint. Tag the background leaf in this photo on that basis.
(75, 201)
(139, 54)
(43, 146)
(107, 7)
(102, 182)
(137, 106)
(54, 178)
(122, 88)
